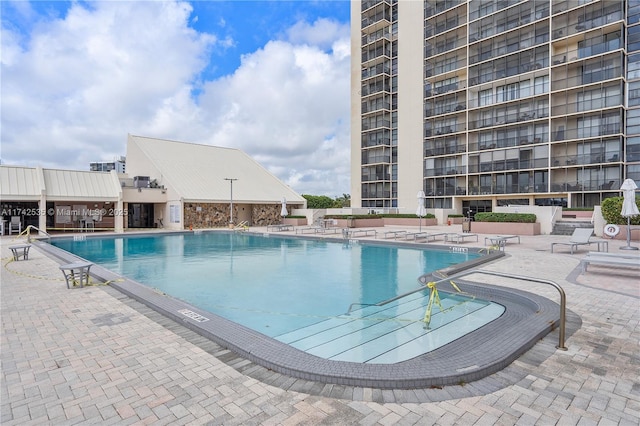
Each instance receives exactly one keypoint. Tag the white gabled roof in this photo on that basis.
(19, 183)
(80, 185)
(198, 172)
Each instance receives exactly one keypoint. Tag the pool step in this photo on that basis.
(393, 332)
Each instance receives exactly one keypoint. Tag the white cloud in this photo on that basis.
(73, 91)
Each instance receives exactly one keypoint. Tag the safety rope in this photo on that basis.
(41, 277)
(435, 297)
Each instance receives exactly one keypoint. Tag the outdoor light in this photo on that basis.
(231, 207)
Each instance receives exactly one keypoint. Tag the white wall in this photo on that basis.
(410, 103)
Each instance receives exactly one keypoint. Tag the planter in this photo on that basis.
(409, 221)
(622, 235)
(455, 220)
(505, 228)
(360, 223)
(295, 221)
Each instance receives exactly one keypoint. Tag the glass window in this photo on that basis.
(485, 97)
(634, 93)
(541, 85)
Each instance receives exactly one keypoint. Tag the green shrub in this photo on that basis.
(455, 215)
(353, 216)
(611, 209)
(296, 217)
(376, 216)
(577, 209)
(410, 216)
(506, 217)
(318, 201)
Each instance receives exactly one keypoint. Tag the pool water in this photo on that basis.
(315, 295)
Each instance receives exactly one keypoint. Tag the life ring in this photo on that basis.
(611, 230)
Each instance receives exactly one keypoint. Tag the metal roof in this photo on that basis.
(81, 185)
(19, 183)
(198, 172)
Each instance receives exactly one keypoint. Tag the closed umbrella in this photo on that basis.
(284, 211)
(421, 210)
(629, 208)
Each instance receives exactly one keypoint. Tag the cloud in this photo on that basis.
(79, 83)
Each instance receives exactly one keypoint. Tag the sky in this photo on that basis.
(270, 78)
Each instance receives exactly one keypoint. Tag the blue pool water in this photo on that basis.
(299, 291)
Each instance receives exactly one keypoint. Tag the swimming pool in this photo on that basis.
(488, 349)
(316, 295)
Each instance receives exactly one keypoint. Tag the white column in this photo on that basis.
(119, 216)
(42, 218)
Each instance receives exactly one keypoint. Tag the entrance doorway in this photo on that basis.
(475, 206)
(140, 215)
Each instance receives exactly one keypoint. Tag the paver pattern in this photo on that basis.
(94, 356)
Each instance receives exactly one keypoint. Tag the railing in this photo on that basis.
(563, 297)
(28, 229)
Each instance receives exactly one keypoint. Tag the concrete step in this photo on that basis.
(566, 227)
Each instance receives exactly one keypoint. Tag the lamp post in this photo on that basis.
(231, 208)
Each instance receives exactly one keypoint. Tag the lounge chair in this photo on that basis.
(610, 259)
(280, 227)
(428, 237)
(348, 233)
(394, 234)
(581, 237)
(459, 238)
(309, 229)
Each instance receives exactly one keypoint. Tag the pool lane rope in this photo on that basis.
(435, 297)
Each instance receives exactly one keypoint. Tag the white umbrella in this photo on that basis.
(284, 211)
(421, 210)
(629, 208)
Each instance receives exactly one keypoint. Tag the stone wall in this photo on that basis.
(265, 214)
(215, 215)
(210, 215)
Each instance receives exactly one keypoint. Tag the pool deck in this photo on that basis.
(94, 355)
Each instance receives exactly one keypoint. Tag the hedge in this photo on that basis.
(611, 209)
(353, 216)
(505, 217)
(410, 216)
(377, 216)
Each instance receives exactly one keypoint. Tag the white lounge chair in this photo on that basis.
(581, 237)
(610, 259)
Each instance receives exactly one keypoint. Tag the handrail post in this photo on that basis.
(563, 296)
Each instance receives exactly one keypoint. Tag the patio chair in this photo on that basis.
(15, 225)
(580, 237)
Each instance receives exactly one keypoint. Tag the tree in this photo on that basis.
(318, 201)
(343, 201)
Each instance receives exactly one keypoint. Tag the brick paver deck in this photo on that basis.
(95, 356)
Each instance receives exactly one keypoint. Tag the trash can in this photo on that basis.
(351, 222)
(466, 224)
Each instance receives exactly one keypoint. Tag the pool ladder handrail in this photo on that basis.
(563, 296)
(27, 232)
(423, 279)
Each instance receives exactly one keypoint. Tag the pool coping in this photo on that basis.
(491, 348)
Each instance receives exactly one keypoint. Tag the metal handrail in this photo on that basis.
(28, 229)
(563, 297)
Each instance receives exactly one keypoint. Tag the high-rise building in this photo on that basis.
(118, 165)
(484, 103)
